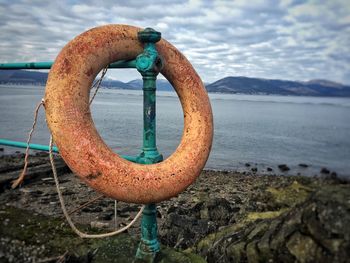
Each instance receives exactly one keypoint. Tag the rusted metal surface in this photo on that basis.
(70, 122)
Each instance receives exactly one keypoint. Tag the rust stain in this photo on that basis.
(89, 72)
(94, 176)
(66, 67)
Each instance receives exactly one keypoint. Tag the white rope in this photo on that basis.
(115, 214)
(63, 206)
(97, 84)
(68, 218)
(20, 179)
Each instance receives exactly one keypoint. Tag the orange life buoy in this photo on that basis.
(70, 122)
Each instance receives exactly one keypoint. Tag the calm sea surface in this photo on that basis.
(261, 130)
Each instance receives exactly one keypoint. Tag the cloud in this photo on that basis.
(286, 39)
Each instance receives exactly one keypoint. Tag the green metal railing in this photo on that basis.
(148, 63)
(33, 146)
(48, 65)
(42, 147)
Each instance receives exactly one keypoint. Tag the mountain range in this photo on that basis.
(234, 85)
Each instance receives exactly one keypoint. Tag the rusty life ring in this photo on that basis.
(69, 118)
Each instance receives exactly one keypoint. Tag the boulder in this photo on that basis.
(315, 230)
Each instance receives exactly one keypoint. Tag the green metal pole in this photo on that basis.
(149, 64)
(47, 65)
(46, 148)
(32, 146)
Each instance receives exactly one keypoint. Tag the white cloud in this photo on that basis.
(282, 39)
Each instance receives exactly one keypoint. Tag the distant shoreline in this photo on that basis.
(229, 85)
(173, 91)
(249, 168)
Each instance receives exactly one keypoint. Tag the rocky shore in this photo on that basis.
(223, 217)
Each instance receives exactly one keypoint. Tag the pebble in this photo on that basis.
(324, 170)
(283, 167)
(47, 179)
(92, 209)
(107, 216)
(97, 224)
(25, 190)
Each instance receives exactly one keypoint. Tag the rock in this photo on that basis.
(217, 209)
(129, 209)
(25, 190)
(303, 248)
(324, 170)
(92, 209)
(236, 252)
(42, 154)
(37, 193)
(107, 216)
(283, 167)
(316, 230)
(247, 164)
(291, 195)
(96, 224)
(303, 165)
(333, 175)
(47, 179)
(269, 169)
(184, 227)
(252, 252)
(254, 169)
(1, 149)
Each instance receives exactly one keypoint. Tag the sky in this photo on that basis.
(286, 39)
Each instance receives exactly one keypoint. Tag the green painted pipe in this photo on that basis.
(149, 64)
(33, 146)
(47, 65)
(46, 148)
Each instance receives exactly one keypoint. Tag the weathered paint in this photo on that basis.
(149, 244)
(148, 63)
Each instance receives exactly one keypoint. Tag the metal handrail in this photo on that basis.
(48, 65)
(46, 148)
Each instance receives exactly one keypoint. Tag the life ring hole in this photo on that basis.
(170, 118)
(117, 112)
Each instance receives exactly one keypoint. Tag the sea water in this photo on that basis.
(249, 130)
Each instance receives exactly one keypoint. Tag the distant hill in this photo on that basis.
(239, 85)
(246, 85)
(23, 77)
(162, 84)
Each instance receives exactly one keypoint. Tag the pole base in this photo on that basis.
(147, 252)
